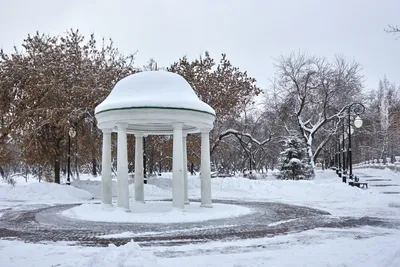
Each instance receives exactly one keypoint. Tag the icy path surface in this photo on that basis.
(366, 246)
(266, 219)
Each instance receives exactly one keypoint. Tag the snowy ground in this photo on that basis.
(361, 246)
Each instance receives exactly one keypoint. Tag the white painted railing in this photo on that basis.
(380, 164)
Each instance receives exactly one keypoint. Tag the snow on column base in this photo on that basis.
(106, 206)
(206, 205)
(124, 209)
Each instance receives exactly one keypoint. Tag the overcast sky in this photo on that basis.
(251, 32)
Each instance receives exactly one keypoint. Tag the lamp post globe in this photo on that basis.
(72, 132)
(358, 122)
(351, 131)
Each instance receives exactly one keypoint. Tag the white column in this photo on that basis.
(178, 198)
(106, 182)
(122, 168)
(205, 169)
(185, 171)
(139, 186)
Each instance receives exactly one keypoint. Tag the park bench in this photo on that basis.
(359, 184)
(220, 175)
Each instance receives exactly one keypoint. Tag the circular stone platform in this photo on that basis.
(267, 219)
(154, 212)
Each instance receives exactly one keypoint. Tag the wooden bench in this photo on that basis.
(360, 184)
(357, 183)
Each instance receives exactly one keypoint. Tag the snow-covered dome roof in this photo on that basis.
(153, 89)
(152, 102)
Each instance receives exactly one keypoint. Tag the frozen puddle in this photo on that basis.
(155, 212)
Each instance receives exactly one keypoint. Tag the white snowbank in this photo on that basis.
(62, 254)
(326, 191)
(154, 212)
(120, 235)
(129, 255)
(150, 191)
(314, 248)
(43, 192)
(365, 246)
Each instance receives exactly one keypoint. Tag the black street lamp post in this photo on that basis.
(249, 146)
(358, 109)
(344, 171)
(355, 109)
(339, 164)
(71, 134)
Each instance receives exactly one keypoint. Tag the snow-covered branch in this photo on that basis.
(240, 135)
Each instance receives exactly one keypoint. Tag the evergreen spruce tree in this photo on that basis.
(293, 162)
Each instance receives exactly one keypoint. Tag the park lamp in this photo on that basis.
(72, 132)
(358, 122)
(351, 129)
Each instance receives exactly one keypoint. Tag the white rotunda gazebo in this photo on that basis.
(154, 103)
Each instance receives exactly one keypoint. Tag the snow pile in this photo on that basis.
(153, 89)
(129, 255)
(44, 192)
(243, 188)
(94, 187)
(119, 235)
(154, 212)
(361, 247)
(326, 192)
(150, 191)
(314, 248)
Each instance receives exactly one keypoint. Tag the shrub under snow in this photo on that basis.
(293, 162)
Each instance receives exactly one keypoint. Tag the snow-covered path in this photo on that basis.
(288, 226)
(47, 224)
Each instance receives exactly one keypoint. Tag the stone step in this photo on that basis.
(390, 193)
(378, 180)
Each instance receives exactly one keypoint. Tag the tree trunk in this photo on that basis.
(76, 167)
(151, 165)
(26, 174)
(57, 171)
(94, 167)
(40, 173)
(192, 168)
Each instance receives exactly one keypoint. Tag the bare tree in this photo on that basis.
(393, 29)
(315, 92)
